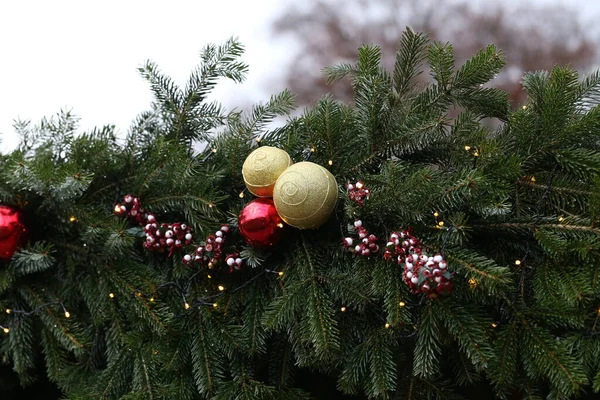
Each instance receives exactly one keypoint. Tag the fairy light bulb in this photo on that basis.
(343, 309)
(467, 148)
(494, 325)
(387, 325)
(6, 330)
(221, 288)
(151, 299)
(8, 310)
(402, 304)
(67, 314)
(280, 225)
(476, 154)
(215, 305)
(330, 162)
(241, 195)
(280, 273)
(258, 140)
(118, 209)
(214, 150)
(186, 305)
(72, 219)
(209, 276)
(524, 107)
(436, 214)
(441, 223)
(561, 219)
(111, 295)
(312, 149)
(517, 262)
(472, 283)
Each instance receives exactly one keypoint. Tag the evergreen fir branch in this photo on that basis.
(382, 368)
(7, 278)
(52, 356)
(206, 362)
(464, 371)
(114, 379)
(138, 303)
(165, 90)
(543, 355)
(263, 114)
(596, 382)
(21, 347)
(354, 369)
(555, 188)
(553, 96)
(466, 325)
(441, 62)
(338, 72)
(491, 277)
(348, 289)
(582, 163)
(503, 366)
(569, 317)
(323, 329)
(431, 389)
(281, 365)
(141, 381)
(409, 57)
(70, 335)
(174, 201)
(521, 226)
(428, 347)
(281, 310)
(480, 69)
(252, 327)
(484, 102)
(548, 288)
(387, 282)
(588, 93)
(221, 61)
(35, 258)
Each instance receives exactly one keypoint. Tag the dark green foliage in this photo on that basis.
(526, 190)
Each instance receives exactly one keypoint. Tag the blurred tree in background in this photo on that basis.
(533, 37)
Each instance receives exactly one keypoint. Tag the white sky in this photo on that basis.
(83, 55)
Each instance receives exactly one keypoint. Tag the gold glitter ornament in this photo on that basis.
(305, 195)
(261, 169)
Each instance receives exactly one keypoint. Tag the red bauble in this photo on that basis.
(260, 224)
(12, 232)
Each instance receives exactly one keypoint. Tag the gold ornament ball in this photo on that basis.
(305, 195)
(262, 168)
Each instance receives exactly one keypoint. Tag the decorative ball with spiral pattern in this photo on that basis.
(305, 195)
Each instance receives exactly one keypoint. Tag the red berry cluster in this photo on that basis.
(400, 244)
(234, 261)
(358, 192)
(423, 274)
(367, 244)
(210, 252)
(166, 236)
(172, 237)
(132, 209)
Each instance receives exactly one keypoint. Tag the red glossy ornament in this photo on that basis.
(12, 232)
(260, 224)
